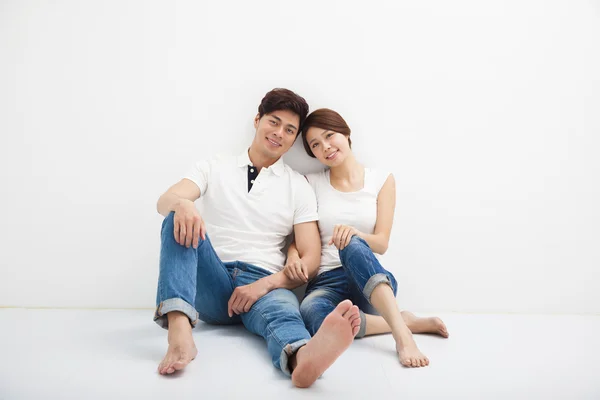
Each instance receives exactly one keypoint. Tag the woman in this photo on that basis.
(356, 209)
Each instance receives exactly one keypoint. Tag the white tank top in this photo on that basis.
(357, 209)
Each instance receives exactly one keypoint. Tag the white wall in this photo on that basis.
(486, 112)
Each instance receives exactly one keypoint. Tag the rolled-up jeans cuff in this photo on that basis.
(373, 282)
(363, 325)
(175, 304)
(288, 351)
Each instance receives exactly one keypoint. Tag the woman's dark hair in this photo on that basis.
(327, 119)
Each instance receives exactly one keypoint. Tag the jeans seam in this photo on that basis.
(209, 320)
(269, 329)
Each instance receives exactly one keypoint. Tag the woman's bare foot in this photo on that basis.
(409, 354)
(182, 349)
(333, 337)
(425, 325)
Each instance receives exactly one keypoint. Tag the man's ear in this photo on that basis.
(256, 119)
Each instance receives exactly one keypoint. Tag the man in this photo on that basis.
(251, 203)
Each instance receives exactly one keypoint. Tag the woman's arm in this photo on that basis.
(386, 205)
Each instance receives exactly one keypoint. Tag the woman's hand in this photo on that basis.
(342, 234)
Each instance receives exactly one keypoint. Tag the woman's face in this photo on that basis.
(331, 148)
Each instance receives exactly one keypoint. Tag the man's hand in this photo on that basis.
(189, 225)
(342, 234)
(295, 270)
(244, 297)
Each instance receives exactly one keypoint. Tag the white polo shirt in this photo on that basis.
(252, 226)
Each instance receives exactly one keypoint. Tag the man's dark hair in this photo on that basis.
(283, 99)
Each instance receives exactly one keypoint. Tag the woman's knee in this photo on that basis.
(307, 306)
(356, 244)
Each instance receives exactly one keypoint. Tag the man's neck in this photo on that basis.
(258, 160)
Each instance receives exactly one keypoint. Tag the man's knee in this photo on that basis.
(169, 221)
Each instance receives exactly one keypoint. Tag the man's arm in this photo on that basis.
(189, 226)
(307, 245)
(183, 191)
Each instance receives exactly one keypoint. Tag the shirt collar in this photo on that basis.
(278, 167)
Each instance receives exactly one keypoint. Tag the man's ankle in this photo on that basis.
(178, 319)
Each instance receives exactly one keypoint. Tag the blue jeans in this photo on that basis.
(359, 274)
(198, 284)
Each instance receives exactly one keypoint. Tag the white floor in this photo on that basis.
(113, 354)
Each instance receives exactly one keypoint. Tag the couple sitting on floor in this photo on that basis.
(227, 265)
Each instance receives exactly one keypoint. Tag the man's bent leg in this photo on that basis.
(191, 281)
(181, 268)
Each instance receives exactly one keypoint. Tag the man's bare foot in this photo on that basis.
(182, 349)
(333, 337)
(425, 325)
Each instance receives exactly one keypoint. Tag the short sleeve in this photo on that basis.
(200, 174)
(312, 179)
(305, 202)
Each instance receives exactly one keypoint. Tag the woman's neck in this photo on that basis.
(350, 171)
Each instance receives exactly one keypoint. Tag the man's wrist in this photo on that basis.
(270, 282)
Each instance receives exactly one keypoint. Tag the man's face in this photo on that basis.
(276, 132)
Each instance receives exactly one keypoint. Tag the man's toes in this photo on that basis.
(343, 307)
(354, 319)
(351, 312)
(355, 330)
